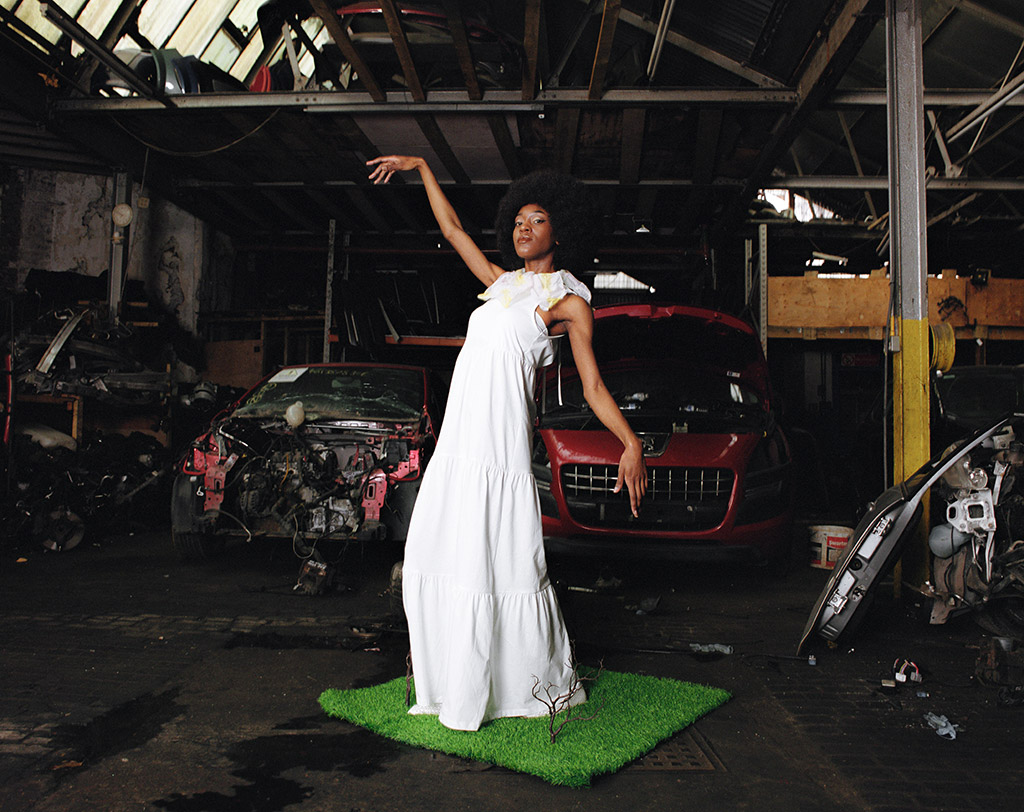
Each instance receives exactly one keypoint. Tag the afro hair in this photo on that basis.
(564, 198)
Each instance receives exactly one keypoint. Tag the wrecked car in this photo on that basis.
(976, 541)
(693, 384)
(313, 454)
(61, 491)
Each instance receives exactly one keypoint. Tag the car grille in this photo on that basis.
(678, 498)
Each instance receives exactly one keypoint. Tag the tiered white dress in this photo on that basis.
(484, 622)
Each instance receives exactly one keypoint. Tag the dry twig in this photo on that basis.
(560, 703)
(408, 679)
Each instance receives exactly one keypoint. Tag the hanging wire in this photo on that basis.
(198, 153)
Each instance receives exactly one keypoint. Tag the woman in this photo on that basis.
(484, 623)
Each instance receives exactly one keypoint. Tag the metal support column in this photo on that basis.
(329, 293)
(761, 281)
(908, 260)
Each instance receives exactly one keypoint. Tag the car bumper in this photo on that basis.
(754, 543)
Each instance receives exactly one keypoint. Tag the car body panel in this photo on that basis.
(877, 542)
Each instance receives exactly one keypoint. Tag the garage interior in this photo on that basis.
(739, 152)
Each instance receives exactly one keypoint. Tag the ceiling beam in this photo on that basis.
(634, 120)
(442, 101)
(820, 72)
(566, 128)
(348, 50)
(705, 157)
(462, 49)
(882, 182)
(330, 207)
(428, 125)
(531, 48)
(570, 44)
(691, 46)
(603, 54)
(991, 17)
(506, 146)
(394, 24)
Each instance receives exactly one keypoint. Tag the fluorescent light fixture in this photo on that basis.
(830, 257)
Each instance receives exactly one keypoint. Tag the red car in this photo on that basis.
(693, 384)
(312, 454)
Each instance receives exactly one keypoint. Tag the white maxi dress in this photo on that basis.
(484, 622)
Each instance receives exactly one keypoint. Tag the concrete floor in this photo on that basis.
(130, 681)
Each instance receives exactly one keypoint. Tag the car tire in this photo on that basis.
(196, 546)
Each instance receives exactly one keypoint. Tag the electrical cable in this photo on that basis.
(197, 153)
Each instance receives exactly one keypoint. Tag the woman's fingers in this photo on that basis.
(632, 474)
(384, 167)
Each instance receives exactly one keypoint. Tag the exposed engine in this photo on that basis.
(978, 550)
(327, 480)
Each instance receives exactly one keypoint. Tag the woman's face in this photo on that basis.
(532, 234)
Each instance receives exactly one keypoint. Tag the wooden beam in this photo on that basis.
(428, 124)
(567, 126)
(348, 50)
(531, 48)
(506, 146)
(394, 24)
(817, 302)
(632, 145)
(599, 73)
(461, 42)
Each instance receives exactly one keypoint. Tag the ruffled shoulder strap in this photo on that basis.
(545, 288)
(573, 285)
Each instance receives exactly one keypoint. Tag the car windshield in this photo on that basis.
(713, 343)
(978, 396)
(364, 393)
(666, 398)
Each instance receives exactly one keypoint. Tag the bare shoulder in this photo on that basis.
(574, 309)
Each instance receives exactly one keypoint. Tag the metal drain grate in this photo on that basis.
(686, 751)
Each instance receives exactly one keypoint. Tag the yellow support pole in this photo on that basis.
(911, 434)
(908, 261)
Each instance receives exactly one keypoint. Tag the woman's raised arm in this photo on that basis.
(451, 227)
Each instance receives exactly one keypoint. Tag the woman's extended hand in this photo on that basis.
(632, 474)
(387, 165)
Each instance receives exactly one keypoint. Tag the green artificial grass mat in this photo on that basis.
(633, 714)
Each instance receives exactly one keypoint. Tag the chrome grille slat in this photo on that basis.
(663, 483)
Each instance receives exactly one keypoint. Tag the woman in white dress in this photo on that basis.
(484, 623)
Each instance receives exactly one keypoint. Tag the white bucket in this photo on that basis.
(827, 543)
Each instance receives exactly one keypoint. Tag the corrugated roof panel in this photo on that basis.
(95, 15)
(158, 21)
(243, 15)
(731, 27)
(248, 58)
(222, 51)
(30, 12)
(199, 25)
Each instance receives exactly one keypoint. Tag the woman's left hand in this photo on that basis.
(632, 474)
